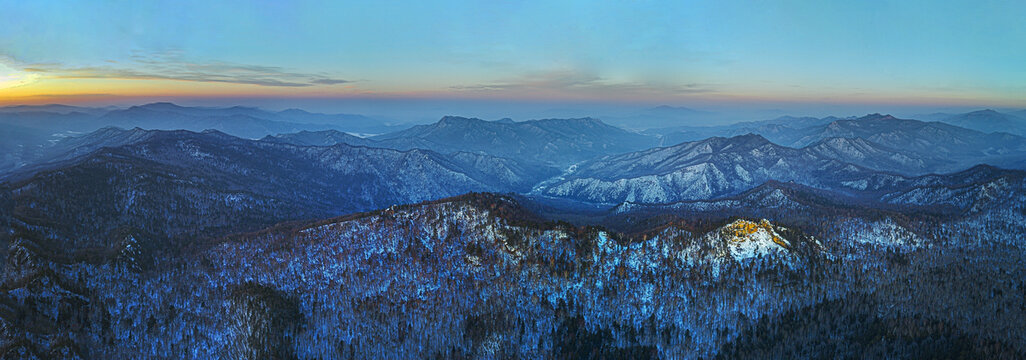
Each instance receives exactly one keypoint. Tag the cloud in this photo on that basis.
(171, 66)
(330, 81)
(580, 81)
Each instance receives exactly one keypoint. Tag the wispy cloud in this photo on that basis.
(326, 81)
(581, 81)
(11, 76)
(171, 66)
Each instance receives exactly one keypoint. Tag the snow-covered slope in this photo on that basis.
(703, 170)
(883, 142)
(867, 154)
(973, 191)
(929, 140)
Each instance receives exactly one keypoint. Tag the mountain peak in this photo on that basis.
(294, 111)
(876, 116)
(750, 136)
(160, 106)
(450, 120)
(747, 139)
(988, 121)
(982, 169)
(985, 112)
(581, 119)
(839, 141)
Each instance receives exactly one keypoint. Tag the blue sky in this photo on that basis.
(675, 52)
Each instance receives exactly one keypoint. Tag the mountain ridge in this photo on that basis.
(552, 142)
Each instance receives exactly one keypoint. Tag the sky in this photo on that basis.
(813, 56)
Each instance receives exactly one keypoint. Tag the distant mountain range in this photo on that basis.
(549, 142)
(719, 167)
(872, 143)
(191, 182)
(131, 177)
(32, 130)
(320, 138)
(930, 146)
(56, 109)
(660, 116)
(552, 141)
(906, 146)
(559, 238)
(239, 121)
(925, 139)
(780, 126)
(236, 121)
(990, 121)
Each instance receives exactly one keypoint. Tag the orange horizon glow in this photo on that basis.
(98, 91)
